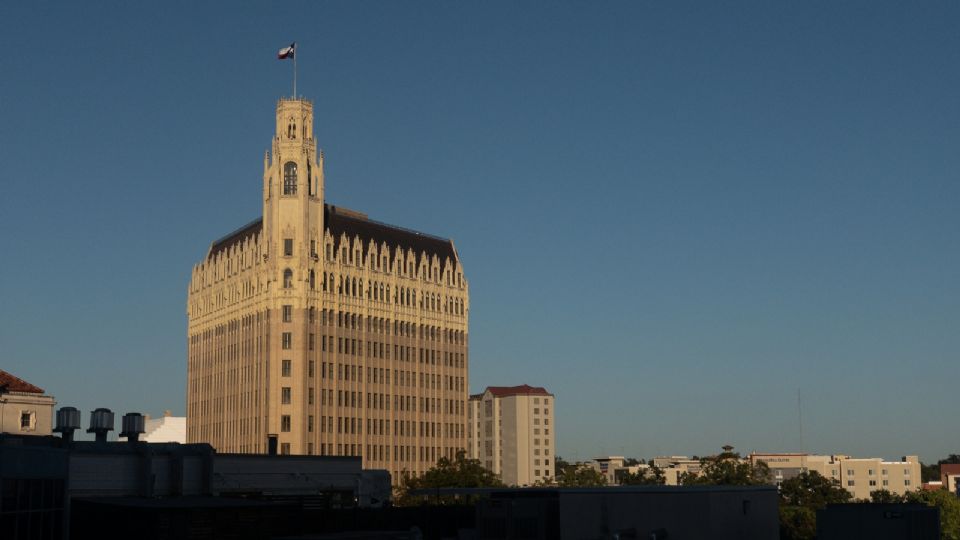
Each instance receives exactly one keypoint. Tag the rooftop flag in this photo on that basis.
(287, 52)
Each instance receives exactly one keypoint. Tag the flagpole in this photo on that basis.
(294, 72)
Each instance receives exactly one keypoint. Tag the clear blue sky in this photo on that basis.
(673, 215)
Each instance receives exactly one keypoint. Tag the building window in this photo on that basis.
(285, 368)
(290, 178)
(906, 482)
(287, 313)
(287, 278)
(287, 340)
(26, 420)
(285, 423)
(850, 482)
(288, 247)
(285, 448)
(285, 395)
(873, 482)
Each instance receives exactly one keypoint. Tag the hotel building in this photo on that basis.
(512, 433)
(316, 330)
(859, 476)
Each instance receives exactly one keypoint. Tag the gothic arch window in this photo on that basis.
(287, 278)
(311, 188)
(290, 178)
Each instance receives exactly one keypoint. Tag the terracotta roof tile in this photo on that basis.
(12, 383)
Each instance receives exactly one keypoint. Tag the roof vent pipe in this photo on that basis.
(133, 425)
(101, 421)
(68, 421)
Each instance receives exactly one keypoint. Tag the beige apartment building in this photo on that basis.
(859, 476)
(511, 431)
(24, 408)
(321, 331)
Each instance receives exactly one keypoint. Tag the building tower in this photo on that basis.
(321, 331)
(511, 431)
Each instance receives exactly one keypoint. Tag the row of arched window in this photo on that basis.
(381, 263)
(380, 325)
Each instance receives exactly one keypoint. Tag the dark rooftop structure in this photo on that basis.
(340, 221)
(522, 390)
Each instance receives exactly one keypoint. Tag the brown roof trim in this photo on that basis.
(522, 390)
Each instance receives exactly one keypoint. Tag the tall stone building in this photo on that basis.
(321, 331)
(511, 431)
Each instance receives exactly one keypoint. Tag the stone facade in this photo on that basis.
(326, 332)
(24, 408)
(513, 434)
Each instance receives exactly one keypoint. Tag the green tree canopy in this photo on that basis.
(728, 470)
(458, 472)
(949, 505)
(581, 476)
(652, 476)
(812, 490)
(798, 523)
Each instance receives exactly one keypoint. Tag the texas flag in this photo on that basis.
(287, 52)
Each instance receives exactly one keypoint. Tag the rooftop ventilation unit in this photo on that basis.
(101, 421)
(68, 421)
(133, 425)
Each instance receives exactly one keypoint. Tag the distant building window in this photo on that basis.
(850, 482)
(287, 313)
(285, 368)
(285, 395)
(906, 482)
(290, 178)
(287, 278)
(285, 423)
(26, 420)
(287, 340)
(285, 448)
(288, 247)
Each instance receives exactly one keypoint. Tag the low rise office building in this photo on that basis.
(859, 476)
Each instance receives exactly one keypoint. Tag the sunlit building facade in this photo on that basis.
(317, 330)
(512, 433)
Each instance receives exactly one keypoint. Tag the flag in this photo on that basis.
(287, 52)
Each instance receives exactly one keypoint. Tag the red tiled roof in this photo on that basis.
(522, 390)
(12, 383)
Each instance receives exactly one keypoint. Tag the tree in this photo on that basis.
(812, 490)
(727, 469)
(581, 476)
(652, 476)
(885, 496)
(949, 506)
(560, 467)
(800, 498)
(931, 472)
(458, 472)
(798, 523)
